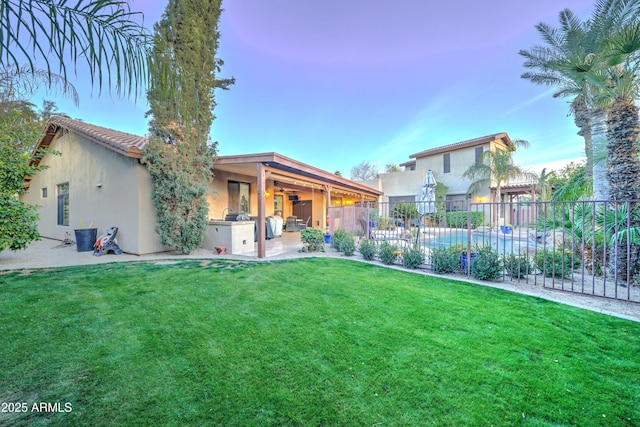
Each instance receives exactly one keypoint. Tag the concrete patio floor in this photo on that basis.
(53, 253)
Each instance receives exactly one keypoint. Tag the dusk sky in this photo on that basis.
(334, 83)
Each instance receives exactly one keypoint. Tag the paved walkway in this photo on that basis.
(52, 253)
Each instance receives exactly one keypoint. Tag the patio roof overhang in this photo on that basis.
(294, 174)
(285, 170)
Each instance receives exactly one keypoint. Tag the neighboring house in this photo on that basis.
(98, 178)
(448, 163)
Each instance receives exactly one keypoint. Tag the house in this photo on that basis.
(98, 178)
(448, 163)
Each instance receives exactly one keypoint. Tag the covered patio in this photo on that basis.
(270, 184)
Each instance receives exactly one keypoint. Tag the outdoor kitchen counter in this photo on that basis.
(236, 236)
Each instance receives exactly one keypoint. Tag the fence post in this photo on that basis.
(468, 265)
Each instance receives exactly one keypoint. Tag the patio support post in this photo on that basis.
(262, 241)
(327, 190)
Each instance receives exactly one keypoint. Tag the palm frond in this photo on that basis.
(103, 34)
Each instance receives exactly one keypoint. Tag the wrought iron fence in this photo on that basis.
(589, 247)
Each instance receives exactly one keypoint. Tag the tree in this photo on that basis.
(19, 84)
(619, 85)
(364, 171)
(570, 183)
(495, 167)
(337, 173)
(567, 61)
(391, 167)
(544, 185)
(179, 154)
(564, 62)
(405, 212)
(101, 33)
(20, 128)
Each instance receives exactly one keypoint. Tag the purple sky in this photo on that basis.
(334, 83)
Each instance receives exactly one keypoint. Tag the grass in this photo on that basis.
(304, 342)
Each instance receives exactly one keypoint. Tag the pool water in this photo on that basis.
(502, 243)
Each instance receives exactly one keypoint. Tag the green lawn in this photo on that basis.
(307, 342)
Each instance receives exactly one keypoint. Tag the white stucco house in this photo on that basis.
(448, 163)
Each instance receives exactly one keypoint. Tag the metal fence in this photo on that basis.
(588, 247)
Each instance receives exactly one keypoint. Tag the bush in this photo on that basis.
(313, 238)
(487, 265)
(459, 219)
(517, 266)
(18, 224)
(368, 249)
(348, 246)
(412, 257)
(445, 260)
(386, 253)
(385, 224)
(339, 236)
(556, 263)
(343, 242)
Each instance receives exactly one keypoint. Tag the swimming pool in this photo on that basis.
(502, 243)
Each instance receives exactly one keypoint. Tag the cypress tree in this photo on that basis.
(179, 154)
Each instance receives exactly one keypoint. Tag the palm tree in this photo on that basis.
(544, 185)
(566, 62)
(18, 84)
(495, 168)
(619, 85)
(101, 33)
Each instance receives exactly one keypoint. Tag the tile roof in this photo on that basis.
(124, 143)
(502, 137)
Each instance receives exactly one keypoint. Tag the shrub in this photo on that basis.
(313, 238)
(368, 249)
(445, 260)
(556, 263)
(348, 246)
(517, 266)
(385, 224)
(459, 219)
(339, 236)
(487, 265)
(412, 256)
(386, 253)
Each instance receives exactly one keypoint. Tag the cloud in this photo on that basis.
(546, 94)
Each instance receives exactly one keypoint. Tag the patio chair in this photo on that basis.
(303, 225)
(291, 224)
(107, 243)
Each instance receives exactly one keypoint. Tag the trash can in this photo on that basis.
(85, 238)
(327, 238)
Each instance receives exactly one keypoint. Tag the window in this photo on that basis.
(479, 151)
(447, 163)
(63, 204)
(278, 204)
(44, 193)
(239, 197)
(456, 202)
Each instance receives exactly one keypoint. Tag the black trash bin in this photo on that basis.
(86, 238)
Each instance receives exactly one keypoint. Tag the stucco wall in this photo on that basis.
(408, 183)
(105, 188)
(460, 160)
